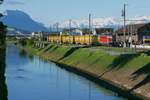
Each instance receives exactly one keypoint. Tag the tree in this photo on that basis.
(3, 86)
(23, 42)
(1, 1)
(2, 34)
(2, 30)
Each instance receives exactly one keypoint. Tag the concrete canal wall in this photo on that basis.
(126, 74)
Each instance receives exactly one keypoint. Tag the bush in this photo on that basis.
(30, 42)
(23, 42)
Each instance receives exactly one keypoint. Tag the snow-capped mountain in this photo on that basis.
(96, 22)
(141, 19)
(104, 22)
(21, 20)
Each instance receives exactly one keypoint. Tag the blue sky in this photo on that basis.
(47, 11)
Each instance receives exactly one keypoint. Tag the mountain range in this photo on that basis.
(105, 22)
(22, 21)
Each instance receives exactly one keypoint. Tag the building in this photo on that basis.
(41, 36)
(144, 34)
(72, 31)
(98, 31)
(135, 33)
(35, 34)
(104, 31)
(130, 33)
(76, 32)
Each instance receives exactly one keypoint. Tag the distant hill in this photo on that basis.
(22, 21)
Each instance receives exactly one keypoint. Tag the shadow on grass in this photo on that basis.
(148, 53)
(69, 52)
(120, 62)
(48, 48)
(53, 49)
(144, 70)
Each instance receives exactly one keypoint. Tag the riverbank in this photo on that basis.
(127, 74)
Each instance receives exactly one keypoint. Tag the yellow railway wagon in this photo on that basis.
(71, 39)
(77, 39)
(94, 40)
(57, 39)
(90, 39)
(85, 39)
(67, 39)
(54, 39)
(147, 40)
(49, 39)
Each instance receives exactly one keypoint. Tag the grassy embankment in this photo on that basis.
(128, 71)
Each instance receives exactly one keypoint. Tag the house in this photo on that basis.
(98, 31)
(104, 31)
(76, 32)
(35, 34)
(131, 32)
(139, 33)
(144, 33)
(41, 36)
(73, 31)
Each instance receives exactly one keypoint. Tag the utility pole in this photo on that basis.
(131, 34)
(89, 24)
(89, 27)
(70, 21)
(124, 30)
(50, 28)
(133, 30)
(57, 27)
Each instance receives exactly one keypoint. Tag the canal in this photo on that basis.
(31, 78)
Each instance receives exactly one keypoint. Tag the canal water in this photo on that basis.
(31, 78)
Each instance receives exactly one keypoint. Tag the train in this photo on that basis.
(81, 39)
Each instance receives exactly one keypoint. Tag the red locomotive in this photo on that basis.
(105, 39)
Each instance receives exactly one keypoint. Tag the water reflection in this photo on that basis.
(24, 54)
(3, 86)
(31, 57)
(37, 79)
